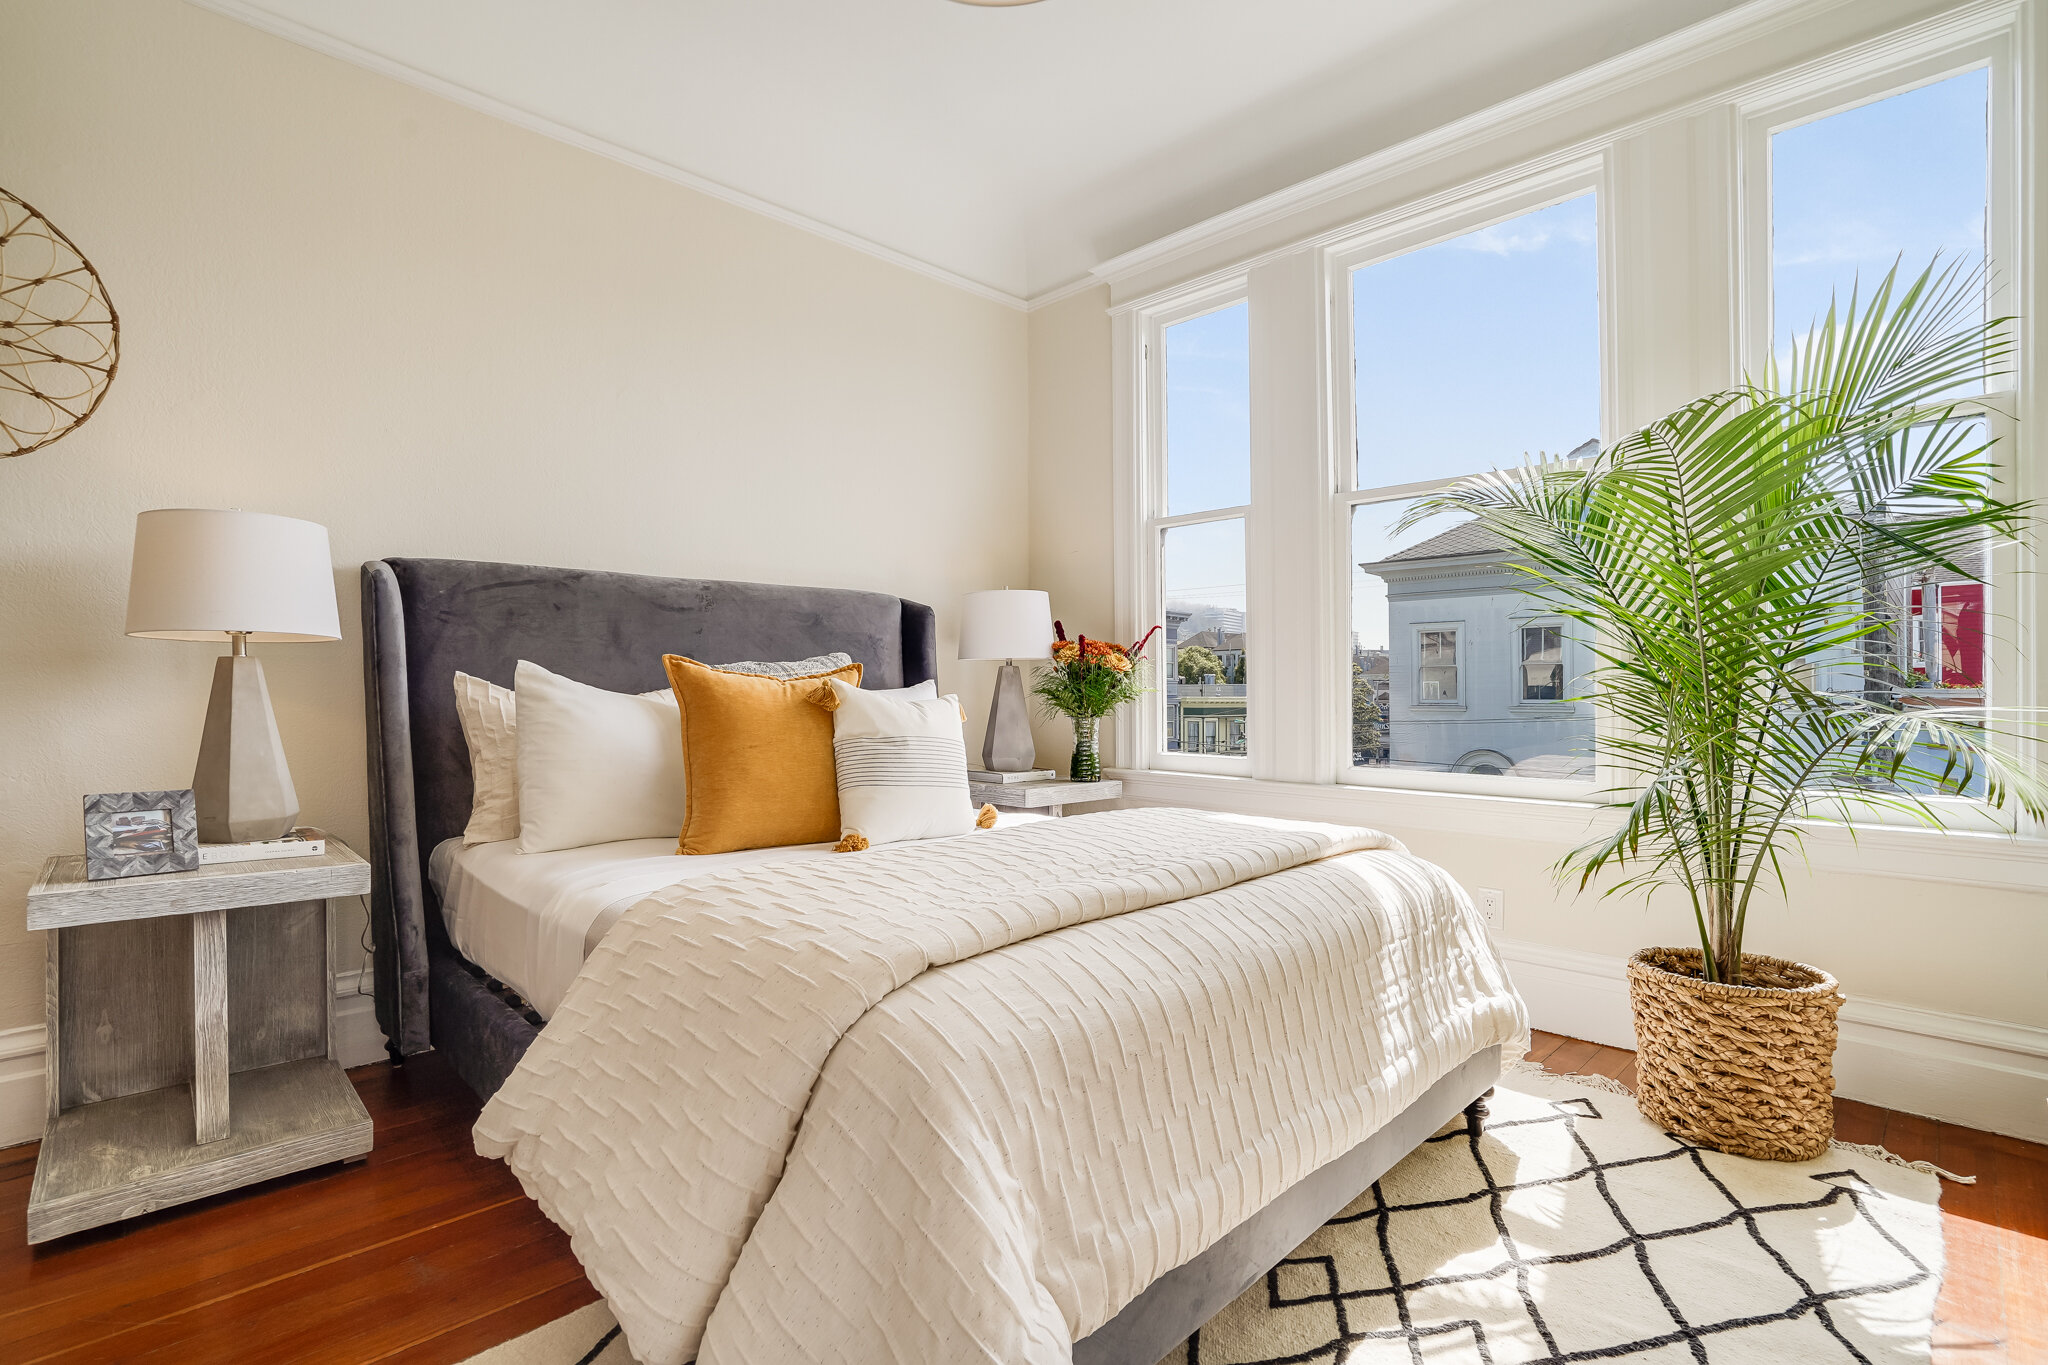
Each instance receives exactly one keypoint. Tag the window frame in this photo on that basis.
(1484, 205)
(1457, 700)
(1518, 690)
(1149, 711)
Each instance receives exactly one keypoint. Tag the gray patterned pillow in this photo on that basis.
(798, 668)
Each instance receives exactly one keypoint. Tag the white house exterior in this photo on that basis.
(1479, 673)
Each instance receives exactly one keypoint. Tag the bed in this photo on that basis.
(426, 619)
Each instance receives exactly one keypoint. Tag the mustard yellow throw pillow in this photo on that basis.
(757, 755)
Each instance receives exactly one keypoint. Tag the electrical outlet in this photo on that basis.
(1493, 907)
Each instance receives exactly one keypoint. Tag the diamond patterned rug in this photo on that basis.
(1566, 1228)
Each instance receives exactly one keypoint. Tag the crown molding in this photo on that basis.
(294, 32)
(1049, 297)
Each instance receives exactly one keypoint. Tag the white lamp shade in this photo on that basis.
(202, 574)
(1006, 624)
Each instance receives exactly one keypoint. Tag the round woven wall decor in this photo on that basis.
(60, 339)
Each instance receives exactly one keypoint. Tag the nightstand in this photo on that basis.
(1050, 797)
(191, 1034)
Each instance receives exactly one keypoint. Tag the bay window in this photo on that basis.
(1283, 413)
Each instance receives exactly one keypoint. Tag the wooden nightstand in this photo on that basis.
(191, 1034)
(1050, 797)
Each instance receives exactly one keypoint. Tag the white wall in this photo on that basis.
(347, 300)
(1942, 944)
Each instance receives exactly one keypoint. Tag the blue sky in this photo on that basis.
(1480, 350)
(1850, 192)
(1209, 411)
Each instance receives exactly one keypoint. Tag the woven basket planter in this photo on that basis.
(1745, 1069)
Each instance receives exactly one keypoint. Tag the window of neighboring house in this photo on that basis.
(1202, 492)
(1470, 354)
(1542, 675)
(1839, 219)
(1436, 664)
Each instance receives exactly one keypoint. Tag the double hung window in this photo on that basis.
(1201, 500)
(1476, 352)
(1837, 223)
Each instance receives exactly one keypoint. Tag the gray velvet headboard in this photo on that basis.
(425, 619)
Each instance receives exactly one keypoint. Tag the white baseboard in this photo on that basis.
(23, 1101)
(357, 1039)
(1982, 1073)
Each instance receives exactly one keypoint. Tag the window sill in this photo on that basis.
(1957, 858)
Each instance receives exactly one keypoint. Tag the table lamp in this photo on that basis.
(1008, 624)
(242, 577)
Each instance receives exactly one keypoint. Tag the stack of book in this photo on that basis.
(302, 842)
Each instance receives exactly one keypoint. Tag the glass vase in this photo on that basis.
(1087, 762)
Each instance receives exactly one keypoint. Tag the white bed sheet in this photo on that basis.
(529, 919)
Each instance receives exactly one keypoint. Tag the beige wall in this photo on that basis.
(347, 300)
(1070, 478)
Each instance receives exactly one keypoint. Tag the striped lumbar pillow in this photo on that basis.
(901, 766)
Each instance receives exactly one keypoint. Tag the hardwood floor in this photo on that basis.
(424, 1252)
(428, 1253)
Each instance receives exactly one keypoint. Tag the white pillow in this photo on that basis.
(485, 710)
(490, 723)
(916, 691)
(595, 766)
(901, 766)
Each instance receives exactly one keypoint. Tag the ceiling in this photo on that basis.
(1012, 149)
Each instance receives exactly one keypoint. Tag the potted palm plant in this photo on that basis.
(1739, 567)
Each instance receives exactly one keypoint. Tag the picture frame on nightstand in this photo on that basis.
(140, 834)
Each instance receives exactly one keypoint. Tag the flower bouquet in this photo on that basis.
(1086, 681)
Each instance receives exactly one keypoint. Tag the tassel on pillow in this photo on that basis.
(985, 818)
(852, 843)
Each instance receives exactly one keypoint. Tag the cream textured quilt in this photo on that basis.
(874, 1108)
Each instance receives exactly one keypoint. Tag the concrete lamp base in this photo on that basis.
(1006, 745)
(241, 787)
